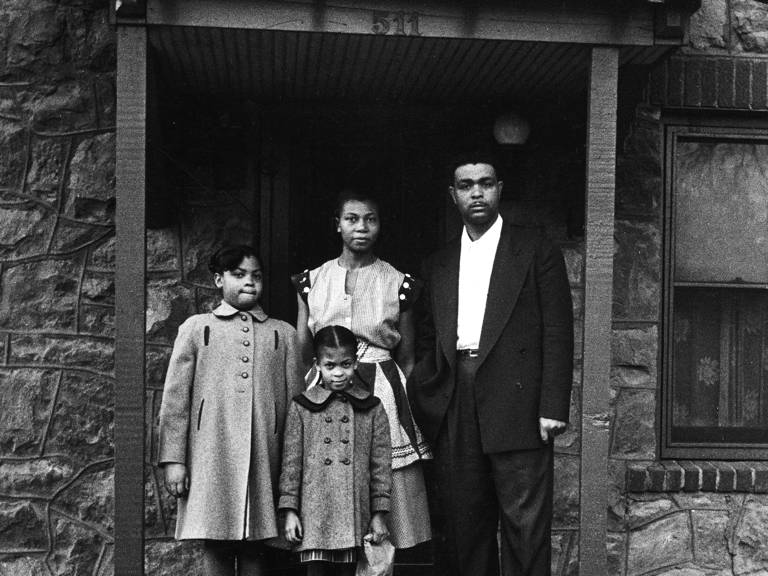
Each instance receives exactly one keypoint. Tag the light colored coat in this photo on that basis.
(337, 468)
(227, 389)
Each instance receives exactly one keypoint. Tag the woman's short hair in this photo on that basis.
(354, 194)
(334, 337)
(229, 257)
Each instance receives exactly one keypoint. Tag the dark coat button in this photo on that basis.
(327, 440)
(243, 317)
(345, 419)
(328, 461)
(345, 461)
(328, 419)
(246, 343)
(523, 351)
(244, 374)
(345, 441)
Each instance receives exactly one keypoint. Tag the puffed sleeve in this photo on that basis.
(293, 456)
(177, 395)
(302, 284)
(410, 290)
(381, 462)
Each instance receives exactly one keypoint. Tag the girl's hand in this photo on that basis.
(176, 479)
(292, 531)
(377, 529)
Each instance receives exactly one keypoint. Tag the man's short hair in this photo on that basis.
(474, 156)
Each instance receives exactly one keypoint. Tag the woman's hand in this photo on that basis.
(292, 528)
(377, 529)
(176, 479)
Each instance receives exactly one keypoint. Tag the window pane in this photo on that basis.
(720, 355)
(721, 211)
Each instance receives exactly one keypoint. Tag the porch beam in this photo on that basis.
(533, 21)
(598, 300)
(130, 299)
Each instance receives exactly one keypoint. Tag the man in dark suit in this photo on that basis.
(493, 386)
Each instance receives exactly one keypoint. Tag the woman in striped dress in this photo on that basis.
(373, 299)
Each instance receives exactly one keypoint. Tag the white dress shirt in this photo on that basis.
(475, 268)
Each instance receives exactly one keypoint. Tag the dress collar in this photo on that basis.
(225, 310)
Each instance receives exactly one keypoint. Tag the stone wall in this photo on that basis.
(565, 521)
(57, 158)
(660, 523)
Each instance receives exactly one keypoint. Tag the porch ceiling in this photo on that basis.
(285, 66)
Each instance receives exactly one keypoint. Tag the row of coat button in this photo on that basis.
(345, 461)
(244, 375)
(344, 419)
(327, 440)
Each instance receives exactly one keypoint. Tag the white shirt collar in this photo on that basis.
(490, 238)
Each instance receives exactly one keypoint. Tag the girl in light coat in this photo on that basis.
(337, 470)
(231, 376)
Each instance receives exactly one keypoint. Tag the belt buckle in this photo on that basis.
(469, 352)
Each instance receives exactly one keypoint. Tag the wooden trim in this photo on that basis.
(598, 300)
(666, 332)
(541, 21)
(130, 298)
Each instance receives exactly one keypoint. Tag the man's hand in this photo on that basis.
(549, 428)
(293, 530)
(176, 479)
(377, 529)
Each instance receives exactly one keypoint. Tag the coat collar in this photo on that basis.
(510, 268)
(317, 398)
(225, 310)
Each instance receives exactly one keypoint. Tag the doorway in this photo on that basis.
(260, 159)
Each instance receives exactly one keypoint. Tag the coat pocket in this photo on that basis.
(200, 413)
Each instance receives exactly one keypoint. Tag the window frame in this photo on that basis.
(675, 131)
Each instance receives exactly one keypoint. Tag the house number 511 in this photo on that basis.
(395, 23)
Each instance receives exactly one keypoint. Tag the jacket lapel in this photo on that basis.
(445, 289)
(510, 267)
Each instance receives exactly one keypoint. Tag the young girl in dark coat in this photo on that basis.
(231, 377)
(336, 477)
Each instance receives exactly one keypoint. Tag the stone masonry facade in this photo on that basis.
(57, 166)
(666, 517)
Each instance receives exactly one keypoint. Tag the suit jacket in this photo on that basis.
(526, 343)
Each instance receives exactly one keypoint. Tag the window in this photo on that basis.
(715, 396)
